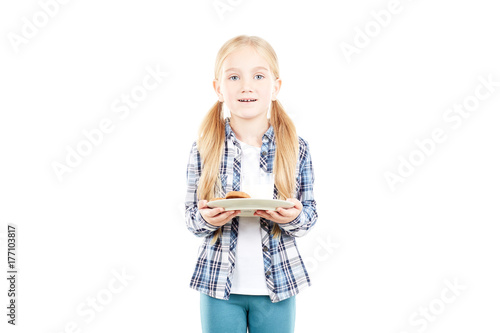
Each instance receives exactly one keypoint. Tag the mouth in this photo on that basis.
(247, 100)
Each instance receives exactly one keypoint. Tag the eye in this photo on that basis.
(230, 78)
(262, 76)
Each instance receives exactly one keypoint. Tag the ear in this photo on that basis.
(217, 90)
(276, 89)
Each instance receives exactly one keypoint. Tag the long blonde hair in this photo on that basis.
(211, 135)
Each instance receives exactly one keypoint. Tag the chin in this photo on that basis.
(249, 116)
(249, 112)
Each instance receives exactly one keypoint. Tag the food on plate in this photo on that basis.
(234, 195)
(237, 195)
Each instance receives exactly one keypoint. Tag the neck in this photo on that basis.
(250, 131)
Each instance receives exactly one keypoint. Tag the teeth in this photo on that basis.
(247, 100)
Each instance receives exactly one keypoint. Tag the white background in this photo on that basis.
(375, 256)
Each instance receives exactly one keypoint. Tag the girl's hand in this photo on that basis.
(282, 215)
(216, 216)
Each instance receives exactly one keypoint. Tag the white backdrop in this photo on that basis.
(398, 100)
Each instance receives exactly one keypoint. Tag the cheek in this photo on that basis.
(223, 89)
(228, 91)
(265, 93)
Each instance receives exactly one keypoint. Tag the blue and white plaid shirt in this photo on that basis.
(284, 268)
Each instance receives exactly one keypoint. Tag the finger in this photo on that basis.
(236, 212)
(223, 218)
(281, 211)
(277, 217)
(264, 215)
(214, 212)
(223, 215)
(273, 214)
(296, 202)
(229, 213)
(287, 212)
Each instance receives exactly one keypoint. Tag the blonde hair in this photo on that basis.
(211, 135)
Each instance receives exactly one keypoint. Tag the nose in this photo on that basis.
(246, 85)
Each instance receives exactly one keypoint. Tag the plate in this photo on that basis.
(248, 206)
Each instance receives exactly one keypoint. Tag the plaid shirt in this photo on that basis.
(284, 268)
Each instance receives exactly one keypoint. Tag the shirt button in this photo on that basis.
(268, 273)
(264, 153)
(265, 249)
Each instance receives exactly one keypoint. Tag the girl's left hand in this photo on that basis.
(282, 215)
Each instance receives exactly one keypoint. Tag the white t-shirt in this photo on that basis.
(248, 276)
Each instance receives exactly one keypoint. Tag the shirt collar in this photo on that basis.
(268, 136)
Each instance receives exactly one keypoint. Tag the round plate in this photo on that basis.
(248, 206)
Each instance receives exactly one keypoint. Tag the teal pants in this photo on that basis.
(239, 312)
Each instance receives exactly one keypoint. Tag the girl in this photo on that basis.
(249, 268)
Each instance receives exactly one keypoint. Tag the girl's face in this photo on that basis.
(246, 76)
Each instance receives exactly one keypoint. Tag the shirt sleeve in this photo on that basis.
(194, 221)
(305, 194)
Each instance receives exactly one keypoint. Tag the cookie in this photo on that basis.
(237, 195)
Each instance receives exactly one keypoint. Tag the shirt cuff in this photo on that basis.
(204, 223)
(293, 224)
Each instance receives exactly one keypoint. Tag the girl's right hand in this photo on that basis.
(216, 216)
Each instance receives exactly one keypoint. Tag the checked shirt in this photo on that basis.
(285, 271)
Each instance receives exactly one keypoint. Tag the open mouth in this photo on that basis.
(247, 100)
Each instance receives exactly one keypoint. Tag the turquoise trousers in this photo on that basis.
(239, 312)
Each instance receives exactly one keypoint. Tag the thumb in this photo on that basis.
(295, 202)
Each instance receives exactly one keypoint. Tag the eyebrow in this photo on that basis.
(236, 69)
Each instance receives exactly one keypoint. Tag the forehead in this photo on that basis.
(245, 58)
